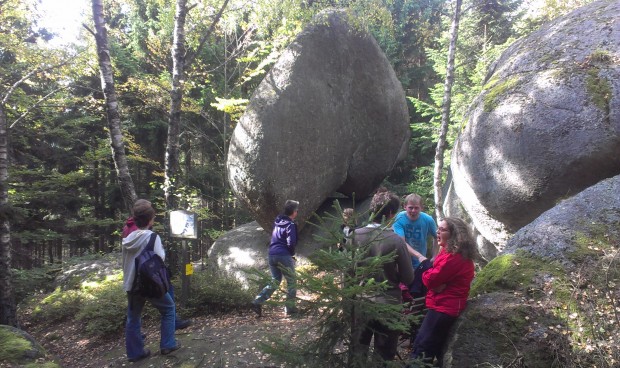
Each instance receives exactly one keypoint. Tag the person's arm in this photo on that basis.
(405, 269)
(291, 239)
(414, 253)
(443, 272)
(158, 248)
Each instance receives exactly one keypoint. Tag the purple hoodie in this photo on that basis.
(283, 237)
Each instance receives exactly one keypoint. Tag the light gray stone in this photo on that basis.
(565, 250)
(329, 116)
(246, 247)
(552, 235)
(547, 124)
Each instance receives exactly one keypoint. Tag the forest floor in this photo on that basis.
(214, 341)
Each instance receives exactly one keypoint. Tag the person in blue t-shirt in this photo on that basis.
(415, 226)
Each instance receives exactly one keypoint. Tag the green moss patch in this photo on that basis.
(18, 350)
(495, 89)
(599, 89)
(12, 346)
(512, 272)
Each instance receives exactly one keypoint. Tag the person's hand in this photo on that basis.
(439, 288)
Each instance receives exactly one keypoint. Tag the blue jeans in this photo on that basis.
(133, 334)
(280, 266)
(177, 319)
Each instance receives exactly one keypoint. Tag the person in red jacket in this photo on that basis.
(448, 282)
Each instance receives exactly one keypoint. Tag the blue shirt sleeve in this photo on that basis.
(398, 226)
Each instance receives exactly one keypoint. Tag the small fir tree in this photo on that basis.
(340, 285)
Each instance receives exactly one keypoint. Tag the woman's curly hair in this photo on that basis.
(461, 241)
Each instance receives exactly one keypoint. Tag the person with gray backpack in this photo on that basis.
(135, 248)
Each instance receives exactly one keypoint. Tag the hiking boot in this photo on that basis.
(145, 354)
(291, 311)
(256, 308)
(167, 351)
(181, 324)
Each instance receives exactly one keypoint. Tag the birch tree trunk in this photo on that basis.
(445, 112)
(113, 116)
(176, 99)
(180, 60)
(8, 313)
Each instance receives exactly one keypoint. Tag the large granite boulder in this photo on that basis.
(329, 116)
(546, 125)
(552, 295)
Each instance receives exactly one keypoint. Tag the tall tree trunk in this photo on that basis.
(176, 99)
(180, 60)
(113, 116)
(445, 112)
(8, 314)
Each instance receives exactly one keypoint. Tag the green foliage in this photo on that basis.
(212, 292)
(343, 287)
(104, 306)
(29, 282)
(101, 305)
(234, 107)
(17, 350)
(57, 306)
(512, 272)
(599, 89)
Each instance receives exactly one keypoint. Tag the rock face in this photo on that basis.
(245, 247)
(547, 124)
(551, 283)
(329, 116)
(595, 212)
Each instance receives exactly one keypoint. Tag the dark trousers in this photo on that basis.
(432, 336)
(386, 340)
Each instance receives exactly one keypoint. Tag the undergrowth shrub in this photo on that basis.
(57, 306)
(104, 306)
(29, 282)
(212, 292)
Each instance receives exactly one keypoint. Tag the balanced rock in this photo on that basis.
(329, 116)
(546, 125)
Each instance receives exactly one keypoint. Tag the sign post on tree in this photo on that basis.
(183, 225)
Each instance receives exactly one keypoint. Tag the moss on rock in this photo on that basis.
(495, 89)
(512, 272)
(17, 348)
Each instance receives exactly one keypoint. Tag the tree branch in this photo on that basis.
(189, 58)
(34, 105)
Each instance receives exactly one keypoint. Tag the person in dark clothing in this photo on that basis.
(281, 259)
(381, 240)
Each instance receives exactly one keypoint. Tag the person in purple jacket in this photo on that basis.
(281, 261)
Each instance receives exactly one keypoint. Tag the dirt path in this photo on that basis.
(211, 342)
